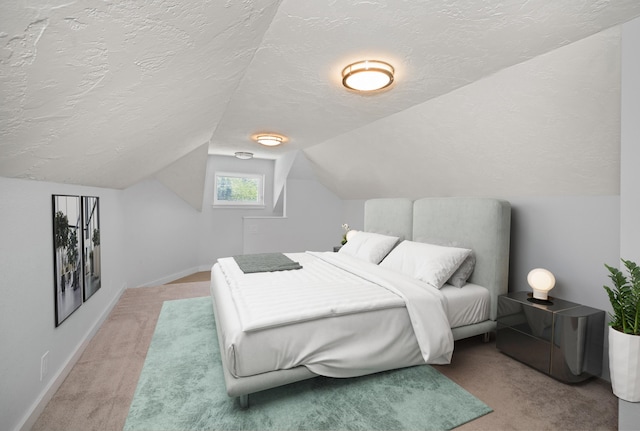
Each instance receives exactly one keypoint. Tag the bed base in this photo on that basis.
(244, 401)
(482, 328)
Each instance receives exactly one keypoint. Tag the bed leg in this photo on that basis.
(244, 401)
(486, 337)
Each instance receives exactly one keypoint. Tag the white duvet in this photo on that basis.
(332, 285)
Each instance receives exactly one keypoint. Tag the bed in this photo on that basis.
(345, 315)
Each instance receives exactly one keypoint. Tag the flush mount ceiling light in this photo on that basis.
(367, 75)
(270, 139)
(243, 155)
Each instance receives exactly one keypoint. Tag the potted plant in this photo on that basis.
(344, 236)
(624, 331)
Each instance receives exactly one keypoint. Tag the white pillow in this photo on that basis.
(433, 264)
(369, 246)
(461, 275)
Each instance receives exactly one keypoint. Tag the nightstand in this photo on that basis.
(560, 338)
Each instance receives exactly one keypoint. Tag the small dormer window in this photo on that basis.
(238, 189)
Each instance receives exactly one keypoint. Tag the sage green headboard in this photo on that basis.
(389, 217)
(482, 224)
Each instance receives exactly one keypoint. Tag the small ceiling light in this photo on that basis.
(244, 155)
(270, 140)
(368, 75)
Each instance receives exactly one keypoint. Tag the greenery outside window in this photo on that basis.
(236, 189)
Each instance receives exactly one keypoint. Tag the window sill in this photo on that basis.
(236, 207)
(264, 217)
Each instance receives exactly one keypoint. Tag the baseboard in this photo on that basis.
(207, 268)
(169, 278)
(49, 391)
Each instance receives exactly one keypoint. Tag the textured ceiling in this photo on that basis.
(108, 93)
(548, 126)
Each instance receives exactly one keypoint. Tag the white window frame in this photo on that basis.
(243, 204)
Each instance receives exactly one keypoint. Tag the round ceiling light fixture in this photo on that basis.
(269, 139)
(243, 155)
(367, 75)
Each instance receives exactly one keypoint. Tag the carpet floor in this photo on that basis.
(97, 393)
(182, 387)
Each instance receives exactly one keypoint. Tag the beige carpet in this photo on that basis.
(97, 393)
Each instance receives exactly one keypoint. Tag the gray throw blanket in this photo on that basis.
(265, 262)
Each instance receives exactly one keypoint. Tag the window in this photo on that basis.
(233, 189)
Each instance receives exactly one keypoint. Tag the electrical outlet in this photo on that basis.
(44, 365)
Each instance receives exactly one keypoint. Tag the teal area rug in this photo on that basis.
(181, 387)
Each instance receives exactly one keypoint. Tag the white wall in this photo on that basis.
(630, 141)
(220, 230)
(27, 327)
(629, 413)
(312, 222)
(353, 213)
(572, 236)
(161, 231)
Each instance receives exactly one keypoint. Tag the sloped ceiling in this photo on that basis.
(186, 176)
(549, 126)
(108, 93)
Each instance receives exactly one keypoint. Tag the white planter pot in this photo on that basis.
(624, 365)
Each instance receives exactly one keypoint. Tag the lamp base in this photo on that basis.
(535, 300)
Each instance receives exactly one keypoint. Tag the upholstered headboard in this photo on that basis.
(389, 217)
(482, 224)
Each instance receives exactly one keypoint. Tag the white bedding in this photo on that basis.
(339, 336)
(320, 289)
(467, 305)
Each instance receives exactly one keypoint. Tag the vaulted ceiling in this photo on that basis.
(490, 97)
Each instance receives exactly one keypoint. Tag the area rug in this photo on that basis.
(181, 387)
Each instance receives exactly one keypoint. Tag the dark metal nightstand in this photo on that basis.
(559, 338)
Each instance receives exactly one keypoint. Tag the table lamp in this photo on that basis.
(541, 281)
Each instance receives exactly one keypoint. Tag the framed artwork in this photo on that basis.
(67, 255)
(91, 249)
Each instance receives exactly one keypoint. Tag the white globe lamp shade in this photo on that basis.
(541, 281)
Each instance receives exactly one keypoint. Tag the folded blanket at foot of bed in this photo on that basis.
(265, 262)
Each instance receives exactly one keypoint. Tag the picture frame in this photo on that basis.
(91, 248)
(67, 255)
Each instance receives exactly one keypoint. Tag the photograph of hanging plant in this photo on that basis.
(67, 249)
(91, 228)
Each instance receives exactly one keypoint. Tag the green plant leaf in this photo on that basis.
(624, 297)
